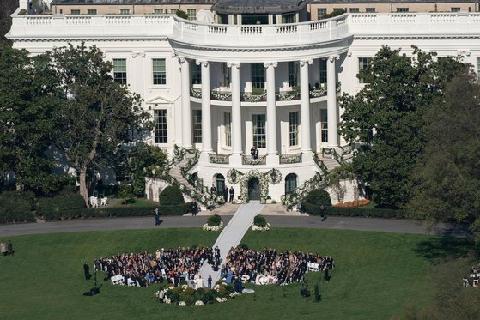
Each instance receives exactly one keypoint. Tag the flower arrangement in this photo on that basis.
(214, 223)
(187, 296)
(260, 223)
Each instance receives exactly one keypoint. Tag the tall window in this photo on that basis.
(258, 126)
(293, 128)
(158, 11)
(227, 122)
(290, 183)
(258, 76)
(322, 64)
(293, 74)
(226, 74)
(363, 63)
(124, 11)
(120, 71)
(323, 126)
(159, 71)
(288, 18)
(92, 12)
(321, 12)
(192, 14)
(196, 71)
(160, 118)
(197, 126)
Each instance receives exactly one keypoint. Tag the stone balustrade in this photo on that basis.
(218, 158)
(290, 158)
(249, 161)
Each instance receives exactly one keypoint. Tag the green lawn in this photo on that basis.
(377, 274)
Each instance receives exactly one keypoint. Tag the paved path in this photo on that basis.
(346, 223)
(231, 236)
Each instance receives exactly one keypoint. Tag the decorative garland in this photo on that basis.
(273, 176)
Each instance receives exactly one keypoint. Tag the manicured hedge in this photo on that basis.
(116, 212)
(259, 221)
(16, 206)
(371, 213)
(171, 196)
(316, 201)
(55, 208)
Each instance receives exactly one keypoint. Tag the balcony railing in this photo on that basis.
(288, 95)
(249, 161)
(251, 97)
(218, 158)
(290, 158)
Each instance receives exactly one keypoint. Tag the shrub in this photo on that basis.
(316, 201)
(259, 221)
(371, 212)
(125, 192)
(16, 206)
(66, 205)
(214, 220)
(175, 210)
(171, 196)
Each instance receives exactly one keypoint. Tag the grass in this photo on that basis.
(377, 274)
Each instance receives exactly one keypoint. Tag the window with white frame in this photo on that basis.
(370, 10)
(196, 71)
(478, 68)
(120, 70)
(322, 70)
(92, 12)
(227, 122)
(197, 126)
(323, 126)
(258, 130)
(354, 10)
(159, 71)
(321, 12)
(258, 76)
(455, 9)
(363, 64)
(293, 69)
(124, 11)
(75, 11)
(192, 14)
(161, 132)
(158, 11)
(293, 129)
(226, 75)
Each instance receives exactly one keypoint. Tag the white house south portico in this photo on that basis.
(261, 77)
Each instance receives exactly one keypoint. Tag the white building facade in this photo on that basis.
(225, 88)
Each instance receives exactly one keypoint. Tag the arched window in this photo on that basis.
(290, 183)
(219, 183)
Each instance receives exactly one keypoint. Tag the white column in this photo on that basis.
(236, 158)
(305, 107)
(332, 117)
(272, 157)
(206, 117)
(186, 108)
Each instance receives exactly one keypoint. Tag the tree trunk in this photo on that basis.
(83, 185)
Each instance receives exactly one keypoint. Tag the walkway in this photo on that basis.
(231, 236)
(131, 223)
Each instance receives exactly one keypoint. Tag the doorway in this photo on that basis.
(253, 189)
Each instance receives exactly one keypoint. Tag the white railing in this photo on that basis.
(216, 35)
(414, 23)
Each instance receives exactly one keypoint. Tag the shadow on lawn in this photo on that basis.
(444, 247)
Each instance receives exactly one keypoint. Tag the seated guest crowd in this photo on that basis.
(473, 278)
(272, 267)
(173, 265)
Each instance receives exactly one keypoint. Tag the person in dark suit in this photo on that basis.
(213, 190)
(225, 193)
(157, 217)
(231, 193)
(86, 271)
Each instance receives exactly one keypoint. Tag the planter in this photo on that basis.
(206, 227)
(261, 229)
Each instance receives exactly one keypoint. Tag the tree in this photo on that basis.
(98, 114)
(28, 120)
(447, 174)
(386, 118)
(182, 14)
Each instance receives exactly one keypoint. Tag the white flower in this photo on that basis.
(199, 303)
(182, 304)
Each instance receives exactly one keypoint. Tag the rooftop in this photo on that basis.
(258, 6)
(153, 2)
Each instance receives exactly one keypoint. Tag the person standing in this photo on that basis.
(225, 193)
(10, 248)
(231, 193)
(157, 217)
(209, 281)
(213, 190)
(86, 271)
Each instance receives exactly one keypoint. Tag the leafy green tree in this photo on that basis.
(182, 14)
(28, 120)
(98, 114)
(447, 175)
(386, 118)
(135, 163)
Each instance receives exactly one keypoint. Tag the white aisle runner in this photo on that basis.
(231, 236)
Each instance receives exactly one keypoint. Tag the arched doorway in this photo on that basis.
(253, 189)
(219, 183)
(290, 183)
